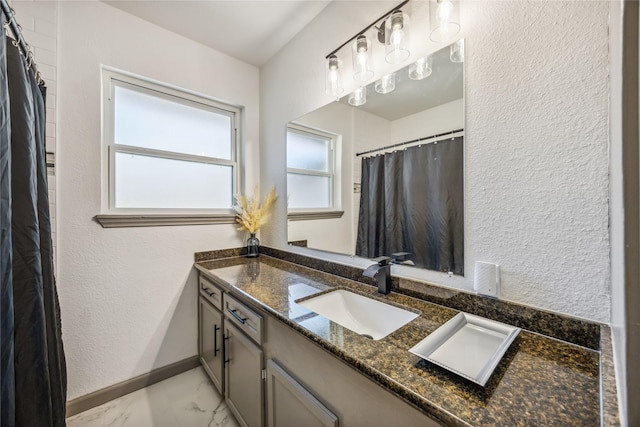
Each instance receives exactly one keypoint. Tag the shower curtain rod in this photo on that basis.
(400, 144)
(21, 43)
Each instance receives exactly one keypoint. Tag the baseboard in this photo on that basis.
(106, 394)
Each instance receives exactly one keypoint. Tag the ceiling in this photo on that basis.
(250, 30)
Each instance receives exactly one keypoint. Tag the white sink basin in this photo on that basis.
(361, 314)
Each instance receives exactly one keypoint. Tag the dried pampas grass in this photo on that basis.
(250, 214)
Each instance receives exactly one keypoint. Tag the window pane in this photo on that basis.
(143, 120)
(151, 182)
(306, 151)
(308, 191)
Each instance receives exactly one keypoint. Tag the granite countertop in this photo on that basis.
(539, 382)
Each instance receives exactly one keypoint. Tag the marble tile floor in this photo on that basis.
(186, 400)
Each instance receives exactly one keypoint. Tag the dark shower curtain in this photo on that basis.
(412, 201)
(32, 369)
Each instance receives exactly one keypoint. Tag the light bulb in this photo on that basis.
(396, 38)
(361, 61)
(333, 84)
(397, 42)
(362, 70)
(444, 12)
(444, 21)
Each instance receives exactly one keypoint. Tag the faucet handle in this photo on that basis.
(399, 257)
(381, 260)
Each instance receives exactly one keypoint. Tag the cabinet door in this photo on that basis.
(210, 343)
(289, 404)
(244, 385)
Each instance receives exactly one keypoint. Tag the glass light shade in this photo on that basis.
(421, 69)
(361, 53)
(386, 84)
(457, 51)
(396, 43)
(333, 80)
(445, 21)
(358, 96)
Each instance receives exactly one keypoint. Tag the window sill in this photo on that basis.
(119, 220)
(305, 216)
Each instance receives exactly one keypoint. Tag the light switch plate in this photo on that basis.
(487, 279)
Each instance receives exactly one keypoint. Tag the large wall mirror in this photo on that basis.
(385, 177)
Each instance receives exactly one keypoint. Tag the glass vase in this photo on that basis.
(253, 246)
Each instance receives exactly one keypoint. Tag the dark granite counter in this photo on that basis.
(540, 381)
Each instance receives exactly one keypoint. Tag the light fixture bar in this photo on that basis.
(382, 18)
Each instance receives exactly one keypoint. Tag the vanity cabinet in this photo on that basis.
(230, 336)
(289, 404)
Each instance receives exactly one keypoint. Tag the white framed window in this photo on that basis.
(313, 170)
(167, 151)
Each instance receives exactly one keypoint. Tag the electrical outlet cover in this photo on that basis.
(487, 279)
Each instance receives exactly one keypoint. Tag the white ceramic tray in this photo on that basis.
(468, 345)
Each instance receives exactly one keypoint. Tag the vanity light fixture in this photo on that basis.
(392, 30)
(358, 96)
(421, 69)
(386, 84)
(445, 23)
(361, 52)
(333, 80)
(396, 29)
(457, 51)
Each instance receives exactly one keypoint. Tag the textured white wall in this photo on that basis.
(128, 295)
(536, 174)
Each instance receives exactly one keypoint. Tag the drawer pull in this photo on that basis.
(209, 291)
(234, 314)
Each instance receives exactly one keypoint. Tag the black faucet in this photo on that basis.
(382, 268)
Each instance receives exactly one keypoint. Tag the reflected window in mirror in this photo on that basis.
(311, 168)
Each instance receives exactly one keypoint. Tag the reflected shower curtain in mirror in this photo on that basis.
(412, 201)
(32, 368)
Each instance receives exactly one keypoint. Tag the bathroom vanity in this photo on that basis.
(281, 364)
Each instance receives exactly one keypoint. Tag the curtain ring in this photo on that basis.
(29, 59)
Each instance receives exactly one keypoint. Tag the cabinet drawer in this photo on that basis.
(211, 292)
(243, 317)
